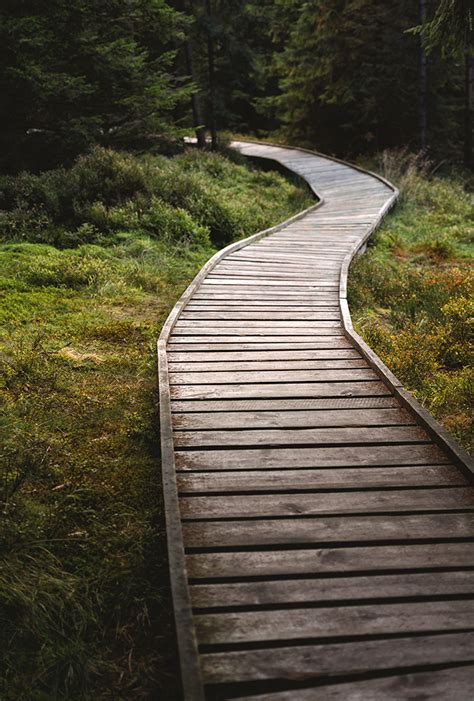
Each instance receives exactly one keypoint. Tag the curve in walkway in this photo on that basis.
(319, 521)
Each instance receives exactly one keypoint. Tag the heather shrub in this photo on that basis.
(411, 293)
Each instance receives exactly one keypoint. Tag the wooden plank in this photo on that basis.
(288, 293)
(297, 624)
(224, 365)
(340, 478)
(266, 342)
(456, 684)
(320, 561)
(291, 419)
(266, 391)
(276, 355)
(194, 314)
(238, 336)
(303, 504)
(381, 587)
(300, 436)
(273, 359)
(302, 662)
(279, 376)
(266, 284)
(297, 458)
(257, 305)
(347, 529)
(326, 272)
(300, 405)
(259, 331)
(257, 344)
(308, 268)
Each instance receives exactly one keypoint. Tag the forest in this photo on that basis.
(106, 215)
(348, 76)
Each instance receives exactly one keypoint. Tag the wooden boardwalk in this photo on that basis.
(319, 521)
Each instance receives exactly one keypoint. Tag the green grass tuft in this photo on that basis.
(411, 293)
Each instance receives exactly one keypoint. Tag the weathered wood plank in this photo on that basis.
(193, 377)
(319, 561)
(302, 662)
(292, 419)
(259, 331)
(195, 314)
(282, 356)
(262, 505)
(277, 405)
(296, 458)
(260, 305)
(330, 589)
(267, 284)
(340, 478)
(380, 619)
(224, 365)
(184, 344)
(265, 338)
(456, 684)
(266, 391)
(347, 529)
(300, 436)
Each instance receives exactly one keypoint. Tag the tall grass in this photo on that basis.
(411, 295)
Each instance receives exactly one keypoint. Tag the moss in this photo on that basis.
(85, 609)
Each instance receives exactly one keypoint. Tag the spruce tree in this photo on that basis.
(76, 73)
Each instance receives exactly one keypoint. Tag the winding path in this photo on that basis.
(319, 521)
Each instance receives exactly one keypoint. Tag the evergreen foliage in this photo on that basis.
(348, 77)
(83, 72)
(341, 75)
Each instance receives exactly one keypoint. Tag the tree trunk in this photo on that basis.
(469, 109)
(198, 117)
(423, 85)
(196, 105)
(212, 79)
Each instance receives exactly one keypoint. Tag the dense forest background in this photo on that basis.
(345, 76)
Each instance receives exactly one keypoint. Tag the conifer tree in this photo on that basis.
(75, 73)
(452, 30)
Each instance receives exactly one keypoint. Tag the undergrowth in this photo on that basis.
(411, 294)
(92, 261)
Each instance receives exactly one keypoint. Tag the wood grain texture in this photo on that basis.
(297, 458)
(298, 480)
(456, 684)
(329, 560)
(255, 594)
(301, 662)
(294, 624)
(307, 504)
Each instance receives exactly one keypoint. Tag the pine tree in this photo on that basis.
(75, 73)
(452, 30)
(348, 76)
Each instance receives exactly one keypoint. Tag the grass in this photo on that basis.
(91, 266)
(411, 294)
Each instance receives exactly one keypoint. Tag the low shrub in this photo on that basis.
(66, 271)
(411, 294)
(85, 609)
(194, 197)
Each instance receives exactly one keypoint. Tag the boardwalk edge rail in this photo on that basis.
(186, 636)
